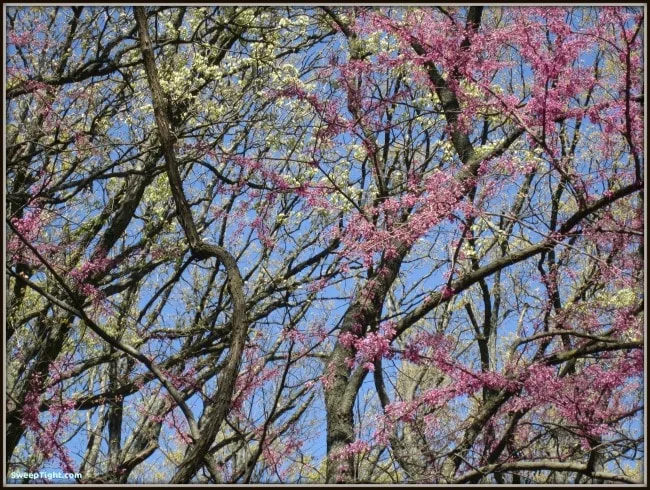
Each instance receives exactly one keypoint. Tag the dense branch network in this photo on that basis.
(325, 244)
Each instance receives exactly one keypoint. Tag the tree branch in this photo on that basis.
(213, 418)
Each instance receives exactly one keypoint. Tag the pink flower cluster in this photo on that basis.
(425, 346)
(352, 449)
(248, 381)
(97, 265)
(437, 198)
(30, 226)
(370, 347)
(83, 275)
(588, 400)
(48, 434)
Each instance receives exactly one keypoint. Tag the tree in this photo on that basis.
(357, 245)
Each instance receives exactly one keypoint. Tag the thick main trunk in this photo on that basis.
(340, 433)
(344, 383)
